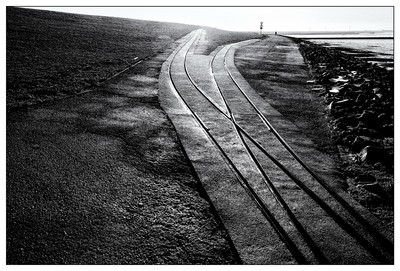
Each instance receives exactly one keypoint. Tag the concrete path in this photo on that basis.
(253, 238)
(238, 212)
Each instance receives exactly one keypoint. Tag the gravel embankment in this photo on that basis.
(360, 104)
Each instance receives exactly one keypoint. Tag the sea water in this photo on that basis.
(380, 49)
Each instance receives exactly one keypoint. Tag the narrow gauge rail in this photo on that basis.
(322, 182)
(265, 211)
(269, 216)
(346, 226)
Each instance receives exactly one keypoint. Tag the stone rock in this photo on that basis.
(367, 132)
(348, 139)
(376, 90)
(372, 155)
(365, 179)
(338, 137)
(347, 120)
(361, 125)
(318, 88)
(361, 142)
(374, 188)
(335, 90)
(339, 79)
(340, 125)
(368, 117)
(361, 98)
(383, 117)
(337, 108)
(388, 130)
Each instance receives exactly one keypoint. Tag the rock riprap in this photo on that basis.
(360, 100)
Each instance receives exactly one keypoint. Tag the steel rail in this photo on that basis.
(382, 239)
(307, 238)
(299, 257)
(341, 222)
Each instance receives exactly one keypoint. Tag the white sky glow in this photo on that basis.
(248, 18)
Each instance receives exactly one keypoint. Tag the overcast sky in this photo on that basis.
(248, 18)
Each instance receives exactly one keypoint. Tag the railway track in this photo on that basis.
(228, 112)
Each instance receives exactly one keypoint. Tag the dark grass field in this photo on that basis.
(100, 178)
(52, 54)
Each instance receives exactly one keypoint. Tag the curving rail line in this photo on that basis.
(241, 133)
(265, 211)
(345, 225)
(323, 183)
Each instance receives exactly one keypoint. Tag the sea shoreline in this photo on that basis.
(372, 46)
(359, 96)
(361, 50)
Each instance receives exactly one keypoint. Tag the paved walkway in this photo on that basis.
(255, 239)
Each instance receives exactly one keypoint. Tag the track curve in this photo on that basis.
(239, 130)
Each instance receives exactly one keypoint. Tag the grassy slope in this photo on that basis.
(51, 54)
(55, 215)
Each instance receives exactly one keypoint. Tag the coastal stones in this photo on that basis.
(384, 117)
(362, 141)
(371, 187)
(347, 121)
(335, 90)
(360, 111)
(339, 79)
(318, 88)
(368, 118)
(365, 179)
(375, 189)
(388, 130)
(359, 96)
(367, 132)
(336, 107)
(372, 154)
